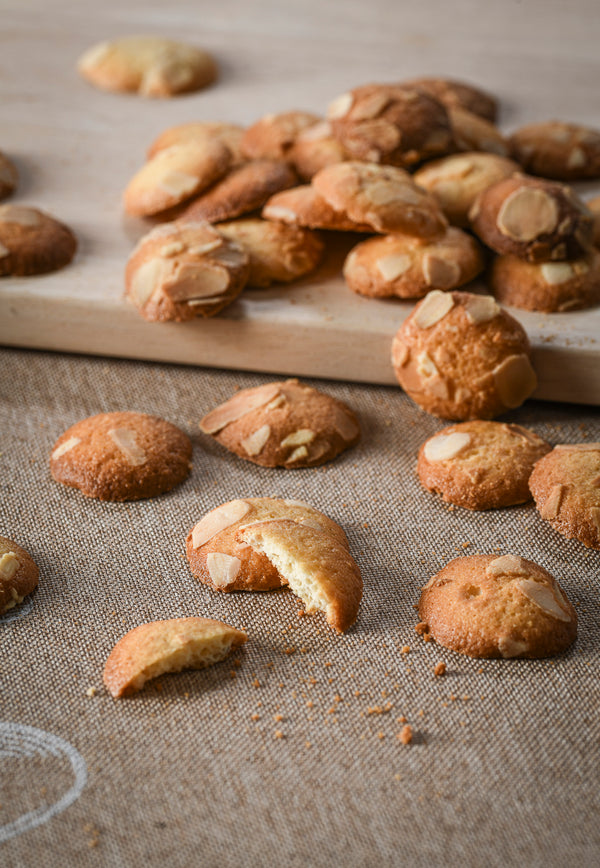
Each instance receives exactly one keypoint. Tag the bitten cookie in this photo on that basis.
(390, 123)
(303, 206)
(244, 189)
(315, 148)
(456, 181)
(148, 65)
(481, 465)
(274, 134)
(8, 176)
(176, 174)
(153, 649)
(277, 252)
(283, 424)
(458, 94)
(554, 149)
(490, 606)
(383, 197)
(532, 218)
(121, 456)
(398, 265)
(32, 242)
(566, 488)
(198, 132)
(258, 544)
(460, 356)
(18, 574)
(180, 271)
(550, 287)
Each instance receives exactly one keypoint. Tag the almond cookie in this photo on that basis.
(243, 190)
(180, 271)
(148, 65)
(554, 149)
(460, 356)
(303, 206)
(283, 424)
(257, 544)
(18, 574)
(277, 252)
(457, 94)
(32, 242)
(398, 265)
(274, 134)
(532, 218)
(566, 488)
(153, 649)
(8, 176)
(456, 181)
(315, 148)
(121, 456)
(490, 606)
(383, 197)
(472, 133)
(594, 206)
(481, 465)
(551, 287)
(175, 175)
(198, 132)
(390, 123)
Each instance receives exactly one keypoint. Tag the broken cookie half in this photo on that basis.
(153, 649)
(259, 544)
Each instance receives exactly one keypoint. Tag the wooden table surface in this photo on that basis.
(76, 148)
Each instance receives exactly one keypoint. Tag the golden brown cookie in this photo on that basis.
(315, 148)
(457, 94)
(148, 65)
(532, 218)
(473, 133)
(198, 132)
(490, 606)
(243, 190)
(457, 180)
(180, 271)
(121, 456)
(554, 149)
(153, 649)
(175, 175)
(390, 123)
(277, 252)
(406, 267)
(273, 135)
(594, 206)
(258, 544)
(283, 424)
(566, 488)
(220, 558)
(8, 176)
(303, 206)
(383, 197)
(460, 356)
(32, 242)
(481, 465)
(18, 574)
(551, 287)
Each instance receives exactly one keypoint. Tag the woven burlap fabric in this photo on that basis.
(503, 768)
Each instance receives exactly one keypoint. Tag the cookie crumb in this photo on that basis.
(405, 649)
(405, 735)
(91, 691)
(255, 716)
(439, 668)
(279, 734)
(421, 628)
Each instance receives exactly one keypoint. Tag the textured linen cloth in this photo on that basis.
(292, 757)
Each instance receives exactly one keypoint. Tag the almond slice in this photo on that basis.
(126, 441)
(433, 308)
(255, 443)
(446, 446)
(9, 564)
(217, 520)
(543, 597)
(69, 444)
(222, 568)
(515, 380)
(237, 407)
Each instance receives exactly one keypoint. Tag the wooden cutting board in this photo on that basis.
(76, 148)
